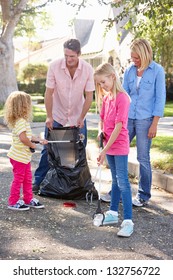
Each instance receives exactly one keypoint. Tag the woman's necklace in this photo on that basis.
(139, 73)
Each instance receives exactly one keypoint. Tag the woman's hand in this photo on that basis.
(152, 131)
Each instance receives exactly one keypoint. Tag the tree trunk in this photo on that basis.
(8, 80)
(10, 13)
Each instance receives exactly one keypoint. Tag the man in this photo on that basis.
(68, 97)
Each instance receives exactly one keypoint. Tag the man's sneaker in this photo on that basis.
(35, 189)
(20, 206)
(126, 229)
(34, 203)
(138, 202)
(106, 197)
(110, 219)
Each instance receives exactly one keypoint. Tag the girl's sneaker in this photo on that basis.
(110, 219)
(20, 206)
(126, 228)
(106, 197)
(34, 203)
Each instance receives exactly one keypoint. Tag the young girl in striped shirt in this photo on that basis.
(18, 114)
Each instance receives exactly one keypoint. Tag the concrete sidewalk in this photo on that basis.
(160, 180)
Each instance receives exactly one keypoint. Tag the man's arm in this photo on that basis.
(86, 106)
(48, 100)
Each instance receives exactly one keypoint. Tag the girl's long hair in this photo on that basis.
(18, 105)
(107, 69)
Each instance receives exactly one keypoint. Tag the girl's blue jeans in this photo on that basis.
(43, 167)
(120, 184)
(139, 128)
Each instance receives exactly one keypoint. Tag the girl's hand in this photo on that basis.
(99, 134)
(35, 139)
(33, 146)
(39, 140)
(43, 142)
(101, 157)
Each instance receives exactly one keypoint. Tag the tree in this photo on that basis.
(11, 12)
(33, 72)
(150, 19)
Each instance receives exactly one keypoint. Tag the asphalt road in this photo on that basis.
(60, 233)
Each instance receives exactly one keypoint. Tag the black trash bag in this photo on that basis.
(69, 175)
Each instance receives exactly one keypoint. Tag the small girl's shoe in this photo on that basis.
(126, 228)
(34, 203)
(19, 206)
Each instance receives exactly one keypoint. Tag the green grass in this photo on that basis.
(162, 146)
(161, 151)
(168, 111)
(93, 108)
(92, 134)
(38, 99)
(39, 114)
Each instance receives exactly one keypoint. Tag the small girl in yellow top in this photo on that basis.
(18, 114)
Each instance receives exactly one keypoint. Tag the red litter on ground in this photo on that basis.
(69, 204)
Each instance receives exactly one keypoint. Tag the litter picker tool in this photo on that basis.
(81, 138)
(98, 216)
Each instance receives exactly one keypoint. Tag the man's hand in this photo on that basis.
(49, 123)
(80, 123)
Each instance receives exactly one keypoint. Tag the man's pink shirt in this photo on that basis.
(68, 96)
(115, 110)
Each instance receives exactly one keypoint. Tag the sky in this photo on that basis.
(62, 13)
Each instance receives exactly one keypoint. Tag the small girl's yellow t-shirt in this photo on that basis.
(18, 151)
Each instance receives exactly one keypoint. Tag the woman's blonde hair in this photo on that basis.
(107, 69)
(18, 105)
(142, 48)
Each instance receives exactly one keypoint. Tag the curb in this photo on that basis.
(159, 179)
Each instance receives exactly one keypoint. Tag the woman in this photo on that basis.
(144, 81)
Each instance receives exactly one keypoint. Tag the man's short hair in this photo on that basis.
(73, 44)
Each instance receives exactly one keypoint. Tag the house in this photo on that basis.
(98, 43)
(50, 50)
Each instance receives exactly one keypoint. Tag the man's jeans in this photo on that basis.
(43, 167)
(120, 185)
(139, 128)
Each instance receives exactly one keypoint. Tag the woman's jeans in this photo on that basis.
(43, 167)
(139, 128)
(120, 185)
